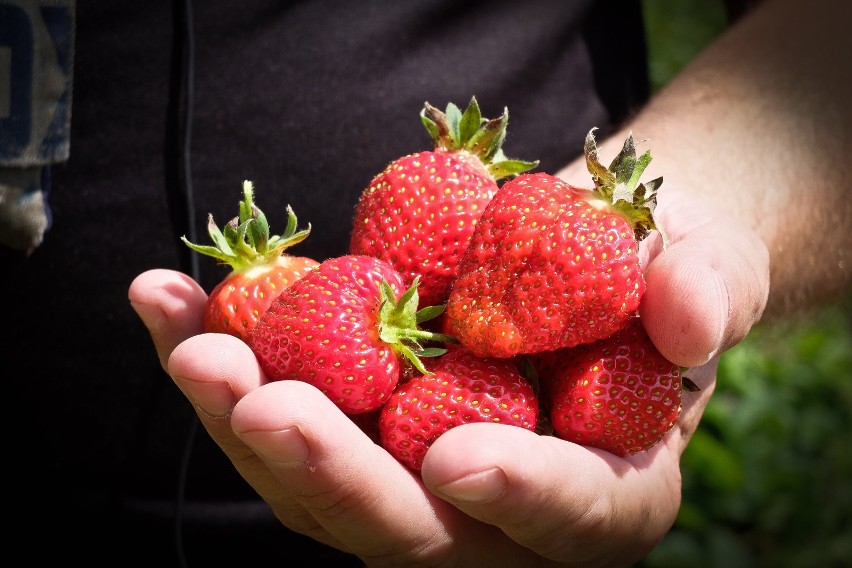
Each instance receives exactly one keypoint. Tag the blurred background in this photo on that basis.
(767, 479)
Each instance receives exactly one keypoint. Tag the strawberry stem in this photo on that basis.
(619, 185)
(454, 130)
(399, 322)
(244, 241)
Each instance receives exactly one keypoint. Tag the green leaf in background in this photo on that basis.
(677, 31)
(770, 466)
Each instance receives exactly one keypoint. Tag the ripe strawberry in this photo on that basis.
(618, 394)
(551, 265)
(419, 212)
(342, 329)
(260, 268)
(459, 389)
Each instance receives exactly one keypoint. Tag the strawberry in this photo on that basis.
(260, 268)
(419, 212)
(551, 265)
(460, 388)
(350, 327)
(618, 394)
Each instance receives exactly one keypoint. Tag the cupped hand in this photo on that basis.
(489, 495)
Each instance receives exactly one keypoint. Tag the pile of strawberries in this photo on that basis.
(462, 300)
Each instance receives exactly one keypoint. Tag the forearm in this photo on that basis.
(760, 124)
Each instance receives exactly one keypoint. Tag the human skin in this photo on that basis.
(760, 125)
(763, 107)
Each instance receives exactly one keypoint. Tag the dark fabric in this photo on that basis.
(309, 100)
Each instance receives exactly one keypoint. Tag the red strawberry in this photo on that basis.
(349, 327)
(260, 268)
(618, 394)
(551, 265)
(459, 389)
(419, 212)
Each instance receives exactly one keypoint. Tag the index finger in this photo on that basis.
(170, 304)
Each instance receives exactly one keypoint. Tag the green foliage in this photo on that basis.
(767, 479)
(677, 30)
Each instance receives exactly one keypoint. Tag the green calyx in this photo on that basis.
(399, 325)
(619, 185)
(245, 240)
(455, 130)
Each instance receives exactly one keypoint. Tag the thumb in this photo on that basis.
(708, 287)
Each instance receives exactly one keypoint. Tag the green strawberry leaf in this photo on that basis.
(431, 352)
(244, 241)
(430, 313)
(470, 122)
(454, 117)
(399, 324)
(431, 126)
(486, 141)
(453, 130)
(507, 168)
(618, 185)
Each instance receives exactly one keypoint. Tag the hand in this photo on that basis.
(490, 495)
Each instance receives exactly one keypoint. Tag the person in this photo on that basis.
(309, 100)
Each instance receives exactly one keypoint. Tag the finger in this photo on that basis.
(214, 371)
(170, 305)
(708, 287)
(359, 498)
(565, 502)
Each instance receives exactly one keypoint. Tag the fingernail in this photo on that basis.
(286, 447)
(477, 487)
(216, 399)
